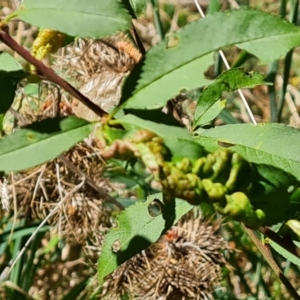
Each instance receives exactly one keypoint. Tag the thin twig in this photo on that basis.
(59, 226)
(295, 93)
(47, 72)
(291, 104)
(15, 206)
(137, 40)
(26, 178)
(37, 184)
(90, 182)
(293, 109)
(60, 189)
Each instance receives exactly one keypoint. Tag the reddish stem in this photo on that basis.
(47, 72)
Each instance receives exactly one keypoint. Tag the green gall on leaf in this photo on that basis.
(239, 207)
(172, 41)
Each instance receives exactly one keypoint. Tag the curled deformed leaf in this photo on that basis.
(177, 139)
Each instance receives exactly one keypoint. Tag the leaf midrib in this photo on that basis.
(76, 13)
(49, 137)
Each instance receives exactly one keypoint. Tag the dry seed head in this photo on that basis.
(185, 263)
(83, 212)
(98, 68)
(59, 274)
(4, 194)
(80, 218)
(87, 57)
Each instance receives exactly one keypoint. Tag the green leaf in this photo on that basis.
(271, 144)
(126, 202)
(271, 191)
(40, 142)
(1, 122)
(177, 139)
(22, 231)
(31, 89)
(228, 81)
(152, 93)
(8, 86)
(139, 6)
(9, 64)
(211, 113)
(11, 72)
(285, 253)
(135, 230)
(171, 67)
(90, 18)
(290, 229)
(228, 118)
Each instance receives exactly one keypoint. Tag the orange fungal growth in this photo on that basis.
(130, 50)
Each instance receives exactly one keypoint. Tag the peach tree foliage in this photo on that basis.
(246, 172)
